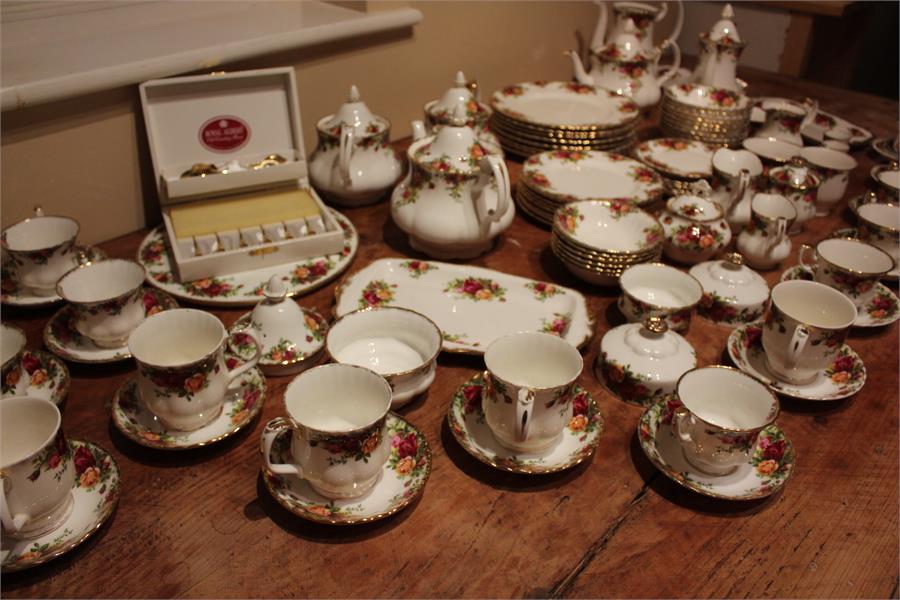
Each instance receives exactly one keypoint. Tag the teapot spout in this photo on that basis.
(580, 74)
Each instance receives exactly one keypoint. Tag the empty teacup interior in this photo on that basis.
(855, 256)
(882, 215)
(535, 360)
(176, 337)
(733, 162)
(40, 233)
(386, 340)
(771, 148)
(828, 158)
(337, 398)
(773, 206)
(661, 286)
(890, 178)
(26, 425)
(101, 281)
(727, 398)
(814, 304)
(12, 341)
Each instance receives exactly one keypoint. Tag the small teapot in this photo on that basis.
(694, 226)
(439, 112)
(797, 182)
(736, 174)
(626, 68)
(720, 50)
(765, 242)
(456, 198)
(644, 16)
(353, 164)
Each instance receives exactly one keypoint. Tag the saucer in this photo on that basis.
(62, 339)
(885, 147)
(578, 442)
(96, 492)
(402, 480)
(138, 424)
(764, 473)
(11, 294)
(883, 309)
(845, 377)
(289, 356)
(852, 233)
(48, 377)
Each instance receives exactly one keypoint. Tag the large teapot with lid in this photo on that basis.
(456, 198)
(624, 66)
(643, 16)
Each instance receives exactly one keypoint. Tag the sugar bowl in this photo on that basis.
(733, 294)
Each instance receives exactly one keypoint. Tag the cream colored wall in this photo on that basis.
(86, 157)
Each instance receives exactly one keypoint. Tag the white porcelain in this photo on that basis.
(643, 15)
(882, 309)
(399, 344)
(852, 267)
(723, 412)
(736, 175)
(720, 50)
(182, 373)
(529, 385)
(456, 198)
(336, 414)
(682, 159)
(37, 467)
(12, 345)
(471, 305)
(805, 328)
(353, 163)
(615, 226)
(106, 300)
(40, 250)
(879, 225)
(695, 229)
(561, 103)
(441, 111)
(641, 362)
(833, 167)
(887, 181)
(764, 243)
(771, 151)
(798, 183)
(886, 149)
(838, 129)
(733, 293)
(785, 119)
(712, 100)
(658, 290)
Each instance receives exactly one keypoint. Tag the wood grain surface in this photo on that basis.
(200, 523)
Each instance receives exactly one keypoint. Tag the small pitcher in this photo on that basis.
(736, 175)
(786, 118)
(796, 182)
(764, 242)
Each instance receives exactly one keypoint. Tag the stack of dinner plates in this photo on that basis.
(553, 178)
(705, 113)
(598, 239)
(681, 162)
(555, 115)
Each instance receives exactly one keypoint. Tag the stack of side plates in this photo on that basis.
(530, 118)
(598, 239)
(553, 178)
(705, 113)
(682, 162)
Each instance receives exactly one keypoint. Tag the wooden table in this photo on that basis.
(201, 523)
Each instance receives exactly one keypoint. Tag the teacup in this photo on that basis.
(723, 410)
(804, 329)
(36, 468)
(336, 416)
(41, 249)
(658, 290)
(879, 225)
(849, 266)
(529, 383)
(12, 345)
(833, 167)
(182, 375)
(399, 344)
(887, 181)
(106, 298)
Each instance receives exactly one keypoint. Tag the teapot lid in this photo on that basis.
(732, 281)
(626, 46)
(724, 30)
(454, 147)
(288, 333)
(458, 95)
(796, 175)
(649, 351)
(354, 113)
(695, 207)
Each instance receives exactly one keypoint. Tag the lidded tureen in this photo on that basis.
(641, 362)
(733, 294)
(456, 198)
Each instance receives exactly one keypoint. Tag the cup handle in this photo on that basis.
(345, 151)
(798, 343)
(237, 372)
(10, 522)
(523, 413)
(271, 431)
(801, 256)
(681, 413)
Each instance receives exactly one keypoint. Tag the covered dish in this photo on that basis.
(733, 294)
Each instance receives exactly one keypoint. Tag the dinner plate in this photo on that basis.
(687, 159)
(711, 99)
(564, 104)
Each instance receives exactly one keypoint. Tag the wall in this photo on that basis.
(86, 157)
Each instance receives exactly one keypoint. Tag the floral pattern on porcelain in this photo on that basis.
(52, 459)
(849, 284)
(723, 310)
(542, 290)
(677, 320)
(629, 386)
(558, 325)
(832, 338)
(417, 268)
(308, 272)
(182, 382)
(695, 238)
(407, 456)
(458, 338)
(211, 287)
(569, 218)
(720, 97)
(883, 306)
(846, 369)
(477, 289)
(346, 447)
(377, 293)
(39, 368)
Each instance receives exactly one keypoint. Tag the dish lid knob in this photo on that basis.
(275, 289)
(656, 324)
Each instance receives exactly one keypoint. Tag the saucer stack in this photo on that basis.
(705, 113)
(551, 179)
(682, 162)
(534, 117)
(598, 239)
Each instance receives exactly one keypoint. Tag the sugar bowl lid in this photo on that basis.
(796, 175)
(354, 113)
(732, 291)
(647, 355)
(455, 147)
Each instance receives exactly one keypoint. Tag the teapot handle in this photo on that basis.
(740, 189)
(345, 151)
(676, 62)
(501, 176)
(812, 109)
(679, 20)
(663, 9)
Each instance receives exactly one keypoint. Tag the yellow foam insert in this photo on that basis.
(256, 208)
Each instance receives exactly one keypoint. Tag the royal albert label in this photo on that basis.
(224, 133)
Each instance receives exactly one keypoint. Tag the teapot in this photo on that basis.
(456, 197)
(353, 163)
(694, 226)
(642, 15)
(626, 68)
(720, 50)
(439, 112)
(765, 242)
(785, 119)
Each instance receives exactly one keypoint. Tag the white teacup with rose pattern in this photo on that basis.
(41, 249)
(879, 225)
(850, 266)
(12, 340)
